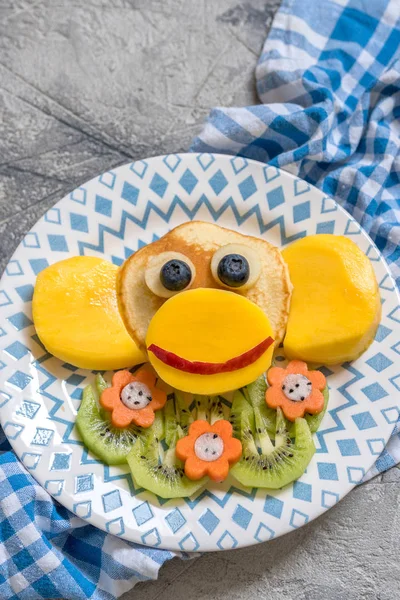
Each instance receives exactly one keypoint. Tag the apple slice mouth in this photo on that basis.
(205, 368)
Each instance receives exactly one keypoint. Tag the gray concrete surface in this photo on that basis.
(87, 85)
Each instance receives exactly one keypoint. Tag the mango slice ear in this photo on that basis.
(76, 315)
(335, 307)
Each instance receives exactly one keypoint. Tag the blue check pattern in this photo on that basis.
(329, 82)
(47, 552)
(327, 108)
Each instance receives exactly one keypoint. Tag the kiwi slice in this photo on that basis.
(201, 404)
(265, 464)
(182, 411)
(109, 443)
(176, 412)
(242, 420)
(215, 409)
(164, 477)
(171, 423)
(101, 384)
(255, 393)
(156, 468)
(158, 427)
(314, 421)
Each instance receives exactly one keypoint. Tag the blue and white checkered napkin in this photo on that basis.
(329, 80)
(47, 552)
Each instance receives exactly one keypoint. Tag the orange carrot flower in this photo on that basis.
(209, 450)
(133, 398)
(296, 390)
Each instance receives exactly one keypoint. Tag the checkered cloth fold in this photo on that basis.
(47, 552)
(329, 81)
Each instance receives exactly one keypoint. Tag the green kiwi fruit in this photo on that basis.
(215, 409)
(255, 393)
(201, 405)
(156, 468)
(164, 477)
(314, 421)
(273, 465)
(100, 383)
(109, 443)
(182, 411)
(241, 417)
(208, 408)
(171, 423)
(158, 427)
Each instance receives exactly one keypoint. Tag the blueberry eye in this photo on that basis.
(175, 275)
(236, 266)
(168, 273)
(234, 270)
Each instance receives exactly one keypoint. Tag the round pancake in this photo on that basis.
(198, 241)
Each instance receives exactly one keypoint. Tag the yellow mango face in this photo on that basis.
(76, 315)
(209, 326)
(335, 307)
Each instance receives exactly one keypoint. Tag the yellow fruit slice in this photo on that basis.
(335, 308)
(76, 315)
(211, 327)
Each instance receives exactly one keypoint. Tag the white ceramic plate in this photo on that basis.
(114, 215)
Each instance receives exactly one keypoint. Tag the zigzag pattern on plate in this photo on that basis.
(351, 401)
(191, 214)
